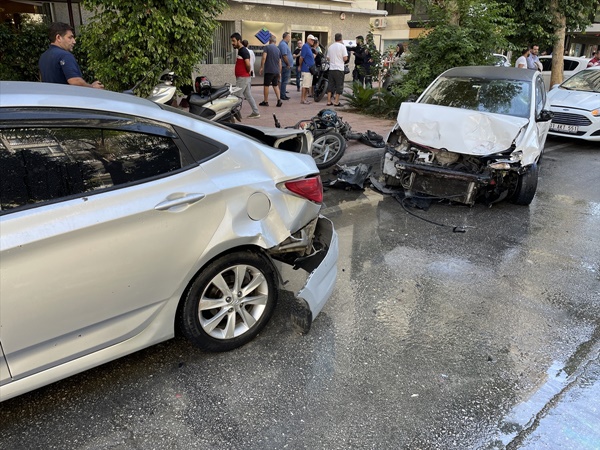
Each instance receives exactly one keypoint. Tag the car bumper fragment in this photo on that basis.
(322, 268)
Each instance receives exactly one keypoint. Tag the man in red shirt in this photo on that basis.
(243, 69)
(595, 61)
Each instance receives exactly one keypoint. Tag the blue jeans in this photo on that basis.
(286, 72)
(298, 77)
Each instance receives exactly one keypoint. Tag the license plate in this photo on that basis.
(564, 128)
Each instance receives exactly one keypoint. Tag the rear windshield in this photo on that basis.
(508, 97)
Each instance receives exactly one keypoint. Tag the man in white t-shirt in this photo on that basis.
(252, 57)
(521, 62)
(337, 54)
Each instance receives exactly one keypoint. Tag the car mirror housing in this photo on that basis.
(545, 116)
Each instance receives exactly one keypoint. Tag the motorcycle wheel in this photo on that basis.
(328, 148)
(321, 89)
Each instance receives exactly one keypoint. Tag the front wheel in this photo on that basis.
(526, 186)
(328, 149)
(321, 89)
(229, 302)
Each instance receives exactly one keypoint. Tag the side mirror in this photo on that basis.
(545, 116)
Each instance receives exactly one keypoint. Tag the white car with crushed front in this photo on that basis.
(123, 221)
(474, 133)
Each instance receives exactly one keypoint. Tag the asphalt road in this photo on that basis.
(432, 339)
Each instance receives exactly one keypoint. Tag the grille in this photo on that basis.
(571, 119)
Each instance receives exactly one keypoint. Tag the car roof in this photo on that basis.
(47, 95)
(565, 57)
(491, 72)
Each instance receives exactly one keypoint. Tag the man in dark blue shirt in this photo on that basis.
(57, 64)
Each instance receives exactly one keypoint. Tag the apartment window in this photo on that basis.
(222, 52)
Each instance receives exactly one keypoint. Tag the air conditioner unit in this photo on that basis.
(380, 23)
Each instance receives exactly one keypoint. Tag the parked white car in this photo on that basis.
(571, 65)
(123, 221)
(576, 106)
(500, 60)
(474, 133)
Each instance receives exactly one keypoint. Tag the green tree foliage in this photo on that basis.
(20, 49)
(128, 38)
(459, 33)
(538, 20)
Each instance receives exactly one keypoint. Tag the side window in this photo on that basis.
(570, 65)
(540, 96)
(42, 164)
(546, 64)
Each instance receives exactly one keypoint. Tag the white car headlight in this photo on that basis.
(595, 112)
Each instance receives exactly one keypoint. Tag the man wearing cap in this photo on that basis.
(307, 60)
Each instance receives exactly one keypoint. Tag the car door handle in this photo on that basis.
(185, 200)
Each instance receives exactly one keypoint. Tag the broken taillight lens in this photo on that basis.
(309, 188)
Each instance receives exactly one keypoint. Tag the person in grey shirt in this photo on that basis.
(533, 62)
(287, 59)
(270, 65)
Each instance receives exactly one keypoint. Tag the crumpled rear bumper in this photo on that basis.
(322, 268)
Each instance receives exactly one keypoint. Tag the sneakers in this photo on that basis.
(263, 104)
(279, 103)
(254, 116)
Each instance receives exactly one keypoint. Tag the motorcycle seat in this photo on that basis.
(215, 93)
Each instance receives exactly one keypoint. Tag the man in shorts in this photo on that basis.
(307, 60)
(271, 66)
(337, 54)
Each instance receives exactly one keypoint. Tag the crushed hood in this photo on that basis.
(560, 97)
(459, 130)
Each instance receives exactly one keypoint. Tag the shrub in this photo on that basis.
(20, 50)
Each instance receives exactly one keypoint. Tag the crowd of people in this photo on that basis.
(58, 65)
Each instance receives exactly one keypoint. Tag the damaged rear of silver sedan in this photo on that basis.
(475, 134)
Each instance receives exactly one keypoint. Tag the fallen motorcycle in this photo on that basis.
(329, 136)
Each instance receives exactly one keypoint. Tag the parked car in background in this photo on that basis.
(500, 60)
(123, 221)
(475, 133)
(571, 65)
(576, 106)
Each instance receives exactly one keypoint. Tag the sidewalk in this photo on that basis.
(292, 112)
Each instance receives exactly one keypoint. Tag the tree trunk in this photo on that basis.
(558, 50)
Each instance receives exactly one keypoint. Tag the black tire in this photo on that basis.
(526, 186)
(321, 89)
(216, 319)
(328, 148)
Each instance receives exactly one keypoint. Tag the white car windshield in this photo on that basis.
(508, 97)
(588, 81)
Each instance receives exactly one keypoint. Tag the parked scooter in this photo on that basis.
(321, 81)
(218, 104)
(164, 92)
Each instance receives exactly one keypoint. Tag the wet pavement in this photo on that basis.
(432, 340)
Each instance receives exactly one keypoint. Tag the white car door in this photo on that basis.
(120, 220)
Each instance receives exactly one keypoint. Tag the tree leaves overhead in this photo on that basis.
(459, 33)
(126, 39)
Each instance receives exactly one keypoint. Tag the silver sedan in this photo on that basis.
(123, 221)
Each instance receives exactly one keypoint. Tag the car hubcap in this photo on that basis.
(233, 302)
